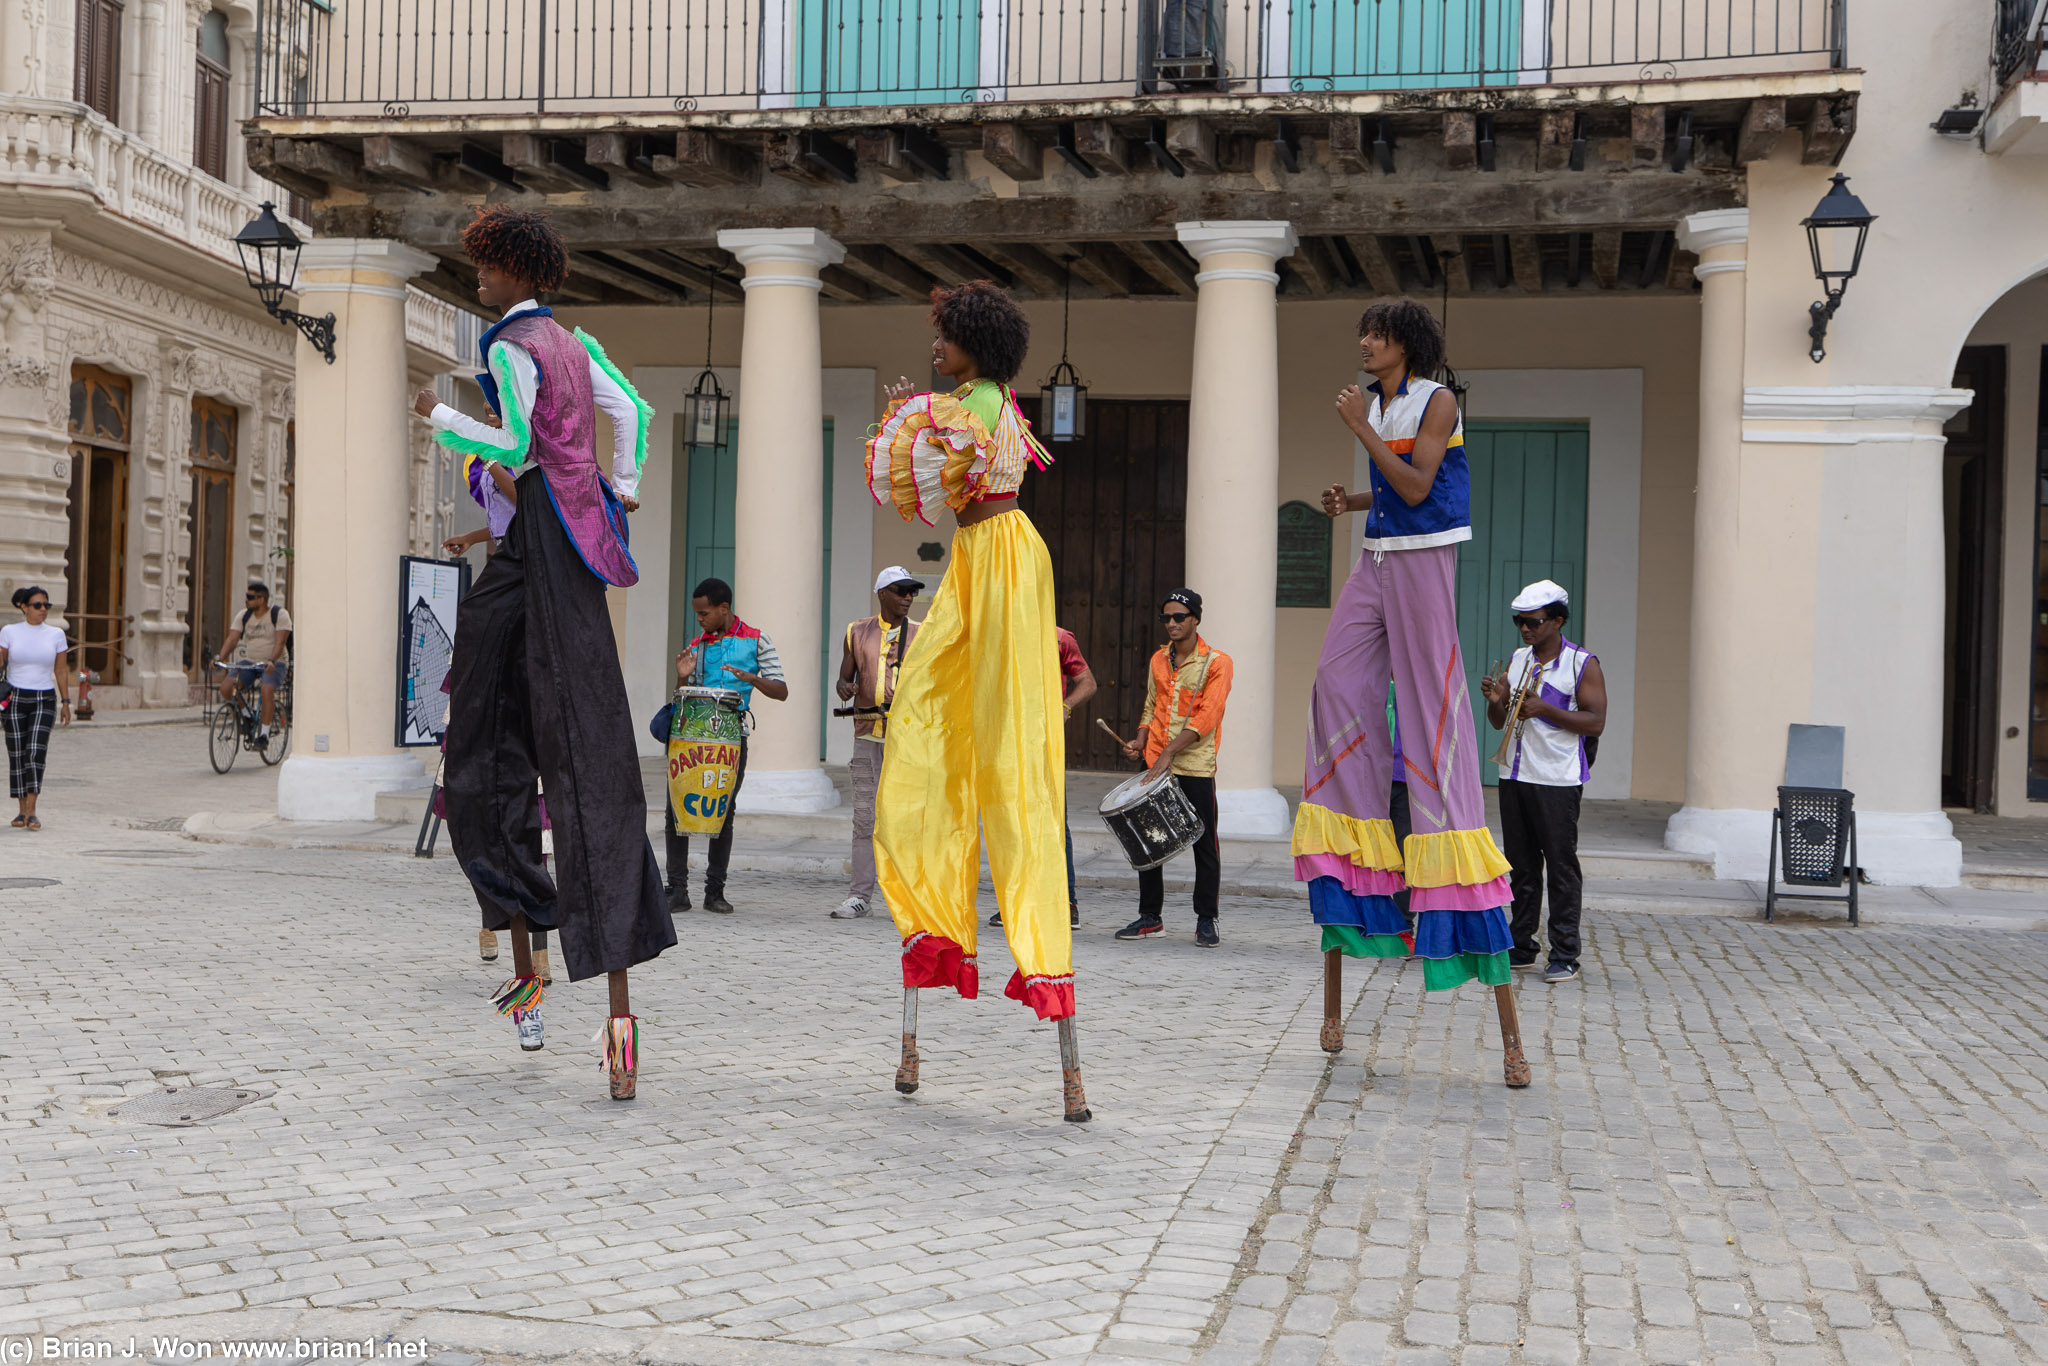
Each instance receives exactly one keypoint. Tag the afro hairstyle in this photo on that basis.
(1413, 327)
(983, 320)
(520, 242)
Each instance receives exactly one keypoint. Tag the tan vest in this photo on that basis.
(872, 686)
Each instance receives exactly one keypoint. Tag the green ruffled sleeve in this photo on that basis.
(509, 411)
(645, 409)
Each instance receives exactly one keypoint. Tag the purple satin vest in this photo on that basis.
(563, 427)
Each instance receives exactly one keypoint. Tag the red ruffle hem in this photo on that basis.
(931, 960)
(1051, 997)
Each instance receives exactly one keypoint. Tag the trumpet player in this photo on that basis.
(1551, 700)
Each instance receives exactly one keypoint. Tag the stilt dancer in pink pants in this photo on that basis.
(1397, 617)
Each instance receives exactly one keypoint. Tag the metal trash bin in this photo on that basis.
(1814, 828)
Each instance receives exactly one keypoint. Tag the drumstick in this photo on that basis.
(1110, 733)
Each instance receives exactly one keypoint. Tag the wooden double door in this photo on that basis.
(1113, 512)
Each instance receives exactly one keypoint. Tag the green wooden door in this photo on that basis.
(887, 52)
(1405, 44)
(1528, 523)
(709, 541)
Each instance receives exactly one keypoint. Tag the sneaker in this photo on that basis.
(1073, 916)
(1205, 933)
(529, 1024)
(678, 899)
(487, 945)
(717, 904)
(853, 908)
(1561, 972)
(996, 919)
(1141, 928)
(1520, 964)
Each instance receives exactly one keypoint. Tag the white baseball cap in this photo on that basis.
(1541, 593)
(894, 575)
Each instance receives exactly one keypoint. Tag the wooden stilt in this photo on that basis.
(522, 947)
(1514, 1066)
(1333, 1001)
(906, 1071)
(1070, 1073)
(623, 1041)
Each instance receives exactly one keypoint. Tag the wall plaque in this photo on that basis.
(1304, 576)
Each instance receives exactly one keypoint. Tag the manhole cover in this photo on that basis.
(178, 1109)
(6, 882)
(139, 853)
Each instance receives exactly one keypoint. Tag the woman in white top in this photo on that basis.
(33, 653)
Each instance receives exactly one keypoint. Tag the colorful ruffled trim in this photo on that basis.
(927, 450)
(932, 960)
(515, 423)
(1367, 843)
(645, 408)
(1455, 946)
(1355, 880)
(1368, 926)
(1460, 896)
(520, 993)
(1467, 857)
(1051, 997)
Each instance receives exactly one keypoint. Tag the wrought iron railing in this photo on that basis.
(392, 58)
(2017, 38)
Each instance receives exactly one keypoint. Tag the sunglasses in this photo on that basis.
(1170, 618)
(1529, 623)
(37, 606)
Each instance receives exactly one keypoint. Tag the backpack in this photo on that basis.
(290, 643)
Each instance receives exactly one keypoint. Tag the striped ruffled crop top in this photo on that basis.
(951, 449)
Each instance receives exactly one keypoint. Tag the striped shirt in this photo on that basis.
(741, 647)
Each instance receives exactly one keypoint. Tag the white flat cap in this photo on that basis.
(1539, 594)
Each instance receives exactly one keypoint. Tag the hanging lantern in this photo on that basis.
(705, 406)
(1063, 398)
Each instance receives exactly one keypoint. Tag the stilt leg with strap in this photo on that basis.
(1514, 1065)
(1333, 1001)
(622, 1041)
(906, 1071)
(1070, 1073)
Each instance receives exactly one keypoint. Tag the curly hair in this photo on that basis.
(519, 242)
(983, 320)
(1412, 327)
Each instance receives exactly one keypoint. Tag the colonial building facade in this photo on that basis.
(147, 441)
(1195, 198)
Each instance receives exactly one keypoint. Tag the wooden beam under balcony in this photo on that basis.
(1011, 149)
(943, 263)
(400, 161)
(1527, 259)
(1102, 266)
(703, 158)
(1163, 262)
(1313, 265)
(1102, 147)
(885, 270)
(1028, 264)
(550, 165)
(691, 276)
(623, 156)
(1646, 134)
(1828, 130)
(303, 165)
(1763, 122)
(1452, 261)
(1192, 142)
(1461, 140)
(618, 274)
(843, 285)
(1554, 140)
(1678, 273)
(1382, 275)
(1606, 256)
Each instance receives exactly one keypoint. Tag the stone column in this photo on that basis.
(35, 469)
(779, 504)
(1234, 495)
(1718, 700)
(353, 486)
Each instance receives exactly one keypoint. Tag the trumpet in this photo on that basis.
(1513, 729)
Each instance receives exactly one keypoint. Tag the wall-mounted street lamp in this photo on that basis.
(705, 407)
(1063, 398)
(270, 258)
(1845, 223)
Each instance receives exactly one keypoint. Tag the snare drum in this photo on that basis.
(1151, 818)
(706, 726)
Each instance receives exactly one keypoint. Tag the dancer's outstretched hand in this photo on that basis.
(424, 402)
(902, 388)
(1335, 501)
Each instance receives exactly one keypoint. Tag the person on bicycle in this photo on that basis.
(257, 648)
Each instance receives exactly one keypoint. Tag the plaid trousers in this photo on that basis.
(28, 718)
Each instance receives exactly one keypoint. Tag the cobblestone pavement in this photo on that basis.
(1788, 1144)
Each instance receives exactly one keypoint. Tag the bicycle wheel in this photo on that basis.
(280, 730)
(223, 736)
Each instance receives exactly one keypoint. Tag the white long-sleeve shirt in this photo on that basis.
(525, 375)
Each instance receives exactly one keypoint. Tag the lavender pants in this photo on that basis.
(1396, 617)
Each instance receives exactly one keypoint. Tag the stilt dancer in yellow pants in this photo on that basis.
(977, 746)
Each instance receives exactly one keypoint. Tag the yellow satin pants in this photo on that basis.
(977, 751)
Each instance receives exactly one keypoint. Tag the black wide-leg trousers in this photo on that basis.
(1540, 827)
(537, 692)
